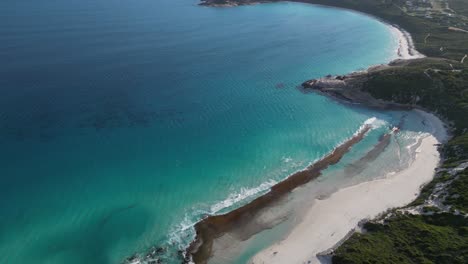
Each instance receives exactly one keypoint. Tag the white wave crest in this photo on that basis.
(243, 194)
(375, 123)
(183, 233)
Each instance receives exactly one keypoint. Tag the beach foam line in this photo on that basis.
(215, 226)
(240, 196)
(375, 123)
(182, 230)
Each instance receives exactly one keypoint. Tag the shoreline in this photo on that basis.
(330, 221)
(199, 250)
(406, 50)
(215, 226)
(348, 88)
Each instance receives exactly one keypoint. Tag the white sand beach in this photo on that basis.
(406, 49)
(328, 221)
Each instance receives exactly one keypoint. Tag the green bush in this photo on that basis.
(440, 238)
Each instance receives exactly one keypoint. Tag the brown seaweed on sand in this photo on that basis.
(213, 227)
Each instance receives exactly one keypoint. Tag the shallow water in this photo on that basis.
(122, 123)
(366, 161)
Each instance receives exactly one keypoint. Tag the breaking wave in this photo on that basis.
(242, 195)
(375, 123)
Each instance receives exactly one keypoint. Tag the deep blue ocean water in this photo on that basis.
(124, 122)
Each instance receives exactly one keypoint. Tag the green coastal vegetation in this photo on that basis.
(438, 238)
(439, 233)
(438, 83)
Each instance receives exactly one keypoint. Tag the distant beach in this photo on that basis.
(406, 49)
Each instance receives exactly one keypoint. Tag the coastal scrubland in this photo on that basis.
(436, 84)
(438, 238)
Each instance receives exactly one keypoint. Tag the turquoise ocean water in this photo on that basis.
(124, 122)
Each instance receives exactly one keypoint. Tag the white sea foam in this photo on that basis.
(179, 233)
(243, 194)
(183, 233)
(417, 138)
(375, 123)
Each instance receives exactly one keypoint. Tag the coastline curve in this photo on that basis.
(199, 250)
